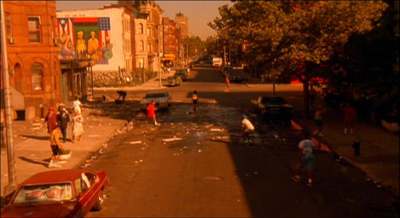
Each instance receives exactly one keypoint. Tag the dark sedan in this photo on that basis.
(274, 108)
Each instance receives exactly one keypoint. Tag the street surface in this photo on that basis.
(195, 165)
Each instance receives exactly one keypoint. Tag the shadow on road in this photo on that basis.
(264, 170)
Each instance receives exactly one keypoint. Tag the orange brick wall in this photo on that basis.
(24, 53)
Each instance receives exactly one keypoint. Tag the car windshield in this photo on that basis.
(44, 193)
(156, 95)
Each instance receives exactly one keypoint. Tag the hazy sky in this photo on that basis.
(200, 13)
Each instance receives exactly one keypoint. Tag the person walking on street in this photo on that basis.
(77, 127)
(350, 116)
(51, 119)
(195, 100)
(227, 82)
(63, 120)
(318, 120)
(307, 160)
(59, 154)
(151, 112)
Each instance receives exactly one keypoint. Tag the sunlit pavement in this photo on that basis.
(194, 165)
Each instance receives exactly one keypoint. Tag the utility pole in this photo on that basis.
(9, 134)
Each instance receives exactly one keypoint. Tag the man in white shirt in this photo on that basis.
(248, 128)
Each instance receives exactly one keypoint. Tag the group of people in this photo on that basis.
(57, 127)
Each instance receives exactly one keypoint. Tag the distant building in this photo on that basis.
(153, 14)
(182, 24)
(141, 44)
(105, 36)
(183, 32)
(171, 46)
(33, 56)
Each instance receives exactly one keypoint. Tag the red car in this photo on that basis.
(61, 193)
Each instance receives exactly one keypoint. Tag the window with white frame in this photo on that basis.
(34, 32)
(141, 28)
(37, 76)
(141, 45)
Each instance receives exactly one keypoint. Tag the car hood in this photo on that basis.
(54, 210)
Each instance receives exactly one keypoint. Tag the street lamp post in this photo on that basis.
(7, 102)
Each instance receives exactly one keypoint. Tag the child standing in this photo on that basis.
(151, 112)
(195, 100)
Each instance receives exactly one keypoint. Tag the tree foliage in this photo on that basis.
(194, 46)
(304, 34)
(279, 32)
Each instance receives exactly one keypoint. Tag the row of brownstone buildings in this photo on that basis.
(52, 55)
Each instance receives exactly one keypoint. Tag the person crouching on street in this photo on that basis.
(151, 112)
(59, 154)
(248, 128)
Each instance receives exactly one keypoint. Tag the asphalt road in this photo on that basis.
(182, 168)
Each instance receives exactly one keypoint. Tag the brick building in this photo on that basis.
(182, 25)
(32, 56)
(153, 14)
(170, 34)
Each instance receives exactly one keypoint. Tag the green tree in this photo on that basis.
(294, 36)
(194, 46)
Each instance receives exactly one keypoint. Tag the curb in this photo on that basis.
(345, 160)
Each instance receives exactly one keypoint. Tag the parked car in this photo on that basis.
(274, 108)
(172, 81)
(183, 73)
(59, 193)
(160, 98)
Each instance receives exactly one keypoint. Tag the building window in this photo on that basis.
(141, 45)
(37, 76)
(34, 29)
(9, 34)
(141, 28)
(141, 63)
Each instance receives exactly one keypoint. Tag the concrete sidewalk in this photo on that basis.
(32, 149)
(151, 84)
(379, 157)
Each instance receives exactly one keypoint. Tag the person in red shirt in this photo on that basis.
(350, 116)
(151, 112)
(51, 119)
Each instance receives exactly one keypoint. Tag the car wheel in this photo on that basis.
(99, 202)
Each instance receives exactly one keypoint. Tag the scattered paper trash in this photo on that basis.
(216, 130)
(172, 139)
(94, 136)
(199, 150)
(135, 142)
(213, 178)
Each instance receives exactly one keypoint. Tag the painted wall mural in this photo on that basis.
(85, 37)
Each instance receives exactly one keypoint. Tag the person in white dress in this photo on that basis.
(77, 130)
